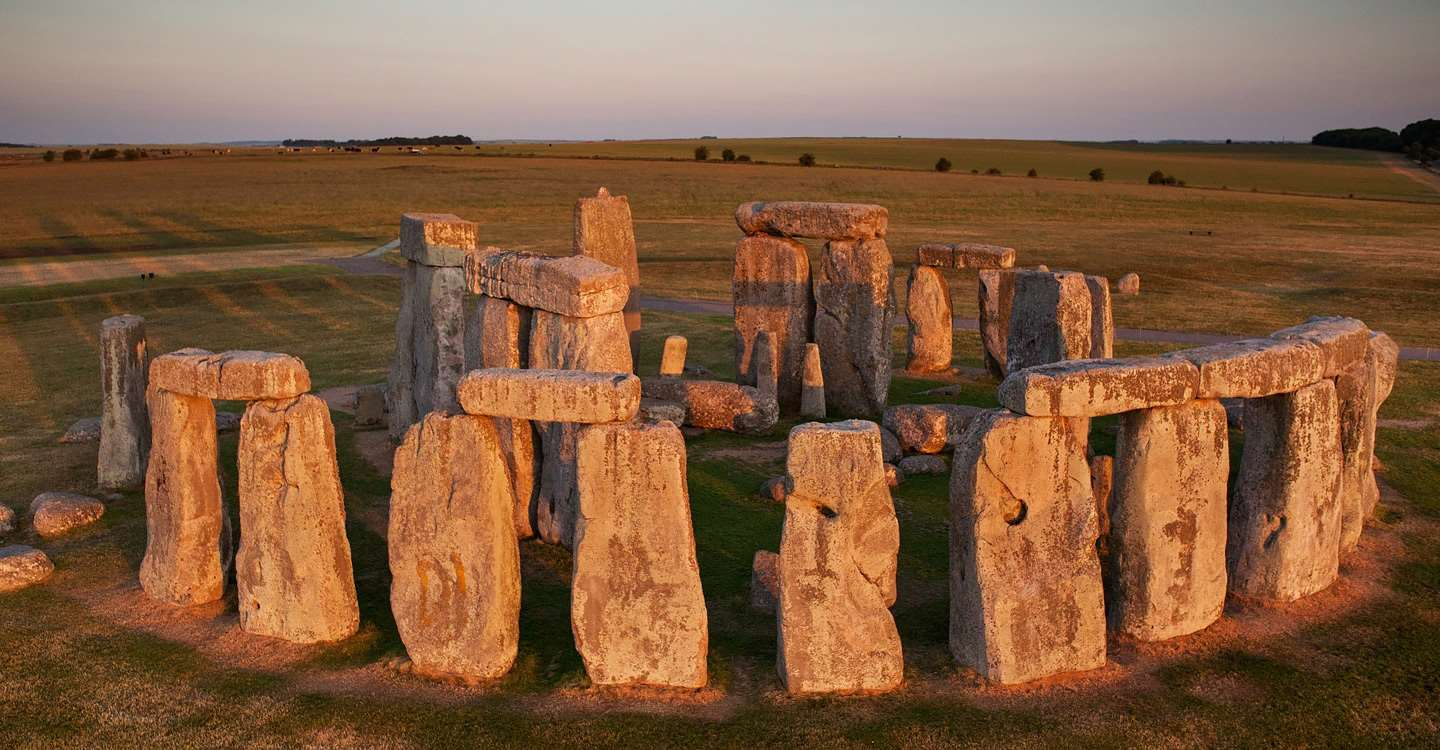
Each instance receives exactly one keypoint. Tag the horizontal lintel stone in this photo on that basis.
(573, 396)
(1254, 368)
(230, 376)
(574, 285)
(965, 255)
(821, 221)
(1342, 341)
(1097, 387)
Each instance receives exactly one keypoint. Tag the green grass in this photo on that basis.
(79, 674)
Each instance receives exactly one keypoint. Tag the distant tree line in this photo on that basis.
(434, 140)
(1420, 140)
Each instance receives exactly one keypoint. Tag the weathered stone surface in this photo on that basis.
(575, 286)
(774, 489)
(293, 568)
(890, 448)
(923, 465)
(660, 410)
(838, 552)
(1254, 368)
(56, 513)
(1049, 319)
(822, 221)
(764, 585)
(497, 334)
(636, 607)
(996, 295)
(965, 255)
(812, 391)
(1096, 387)
(604, 231)
(230, 376)
(436, 239)
(771, 291)
(551, 395)
(715, 404)
(1102, 320)
(931, 337)
(1128, 284)
(1026, 599)
(854, 316)
(519, 445)
(22, 567)
(672, 357)
(439, 344)
(1342, 341)
(893, 475)
(1165, 571)
(182, 501)
(929, 428)
(400, 380)
(1285, 516)
(369, 406)
(765, 367)
(1102, 482)
(1355, 392)
(124, 424)
(1387, 362)
(7, 519)
(86, 430)
(454, 561)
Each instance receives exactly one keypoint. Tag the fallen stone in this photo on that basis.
(230, 376)
(85, 430)
(55, 513)
(1165, 572)
(7, 519)
(996, 296)
(821, 221)
(838, 554)
(637, 609)
(574, 285)
(854, 314)
(183, 514)
(1284, 522)
(1049, 319)
(369, 406)
(573, 396)
(931, 335)
(890, 448)
(1342, 341)
(293, 568)
(22, 567)
(812, 393)
(965, 255)
(715, 404)
(497, 334)
(771, 291)
(929, 428)
(1102, 321)
(1097, 387)
(923, 465)
(672, 358)
(454, 560)
(659, 410)
(1254, 368)
(1128, 284)
(763, 581)
(124, 424)
(436, 239)
(1026, 599)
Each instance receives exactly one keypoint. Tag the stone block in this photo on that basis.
(1102, 320)
(1254, 368)
(1097, 387)
(771, 290)
(931, 334)
(22, 567)
(436, 239)
(230, 376)
(821, 221)
(575, 286)
(929, 428)
(672, 357)
(715, 404)
(965, 255)
(854, 319)
(1342, 341)
(124, 424)
(53, 514)
(497, 334)
(1049, 319)
(574, 396)
(183, 512)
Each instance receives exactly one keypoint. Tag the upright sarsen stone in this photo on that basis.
(636, 606)
(497, 334)
(997, 294)
(930, 342)
(1355, 392)
(812, 390)
(1285, 509)
(124, 423)
(1049, 319)
(182, 502)
(454, 560)
(293, 568)
(854, 314)
(771, 292)
(429, 344)
(1102, 320)
(605, 231)
(1026, 599)
(837, 564)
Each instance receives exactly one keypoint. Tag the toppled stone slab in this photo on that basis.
(575, 286)
(1102, 320)
(124, 424)
(551, 395)
(854, 320)
(923, 465)
(55, 513)
(715, 404)
(85, 430)
(436, 239)
(230, 376)
(1049, 319)
(771, 291)
(1097, 387)
(1342, 341)
(454, 560)
(931, 334)
(1026, 598)
(812, 390)
(1284, 520)
(838, 556)
(764, 584)
(929, 428)
(497, 334)
(22, 567)
(1128, 284)
(1254, 368)
(672, 357)
(660, 410)
(1165, 572)
(965, 255)
(183, 514)
(821, 221)
(637, 609)
(293, 570)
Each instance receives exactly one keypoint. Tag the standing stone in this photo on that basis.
(1128, 284)
(763, 583)
(605, 231)
(771, 291)
(497, 334)
(1049, 319)
(1102, 483)
(400, 382)
(293, 568)
(1165, 574)
(854, 314)
(369, 406)
(765, 368)
(1355, 393)
(812, 393)
(997, 293)
(1102, 320)
(182, 502)
(837, 565)
(927, 308)
(124, 424)
(454, 561)
(1285, 509)
(429, 344)
(636, 606)
(1384, 354)
(1026, 598)
(672, 359)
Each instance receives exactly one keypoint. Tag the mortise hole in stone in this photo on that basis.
(827, 511)
(1016, 514)
(1275, 532)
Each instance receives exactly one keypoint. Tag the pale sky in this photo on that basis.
(83, 71)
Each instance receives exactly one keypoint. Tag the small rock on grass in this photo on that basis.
(55, 513)
(85, 430)
(923, 464)
(22, 566)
